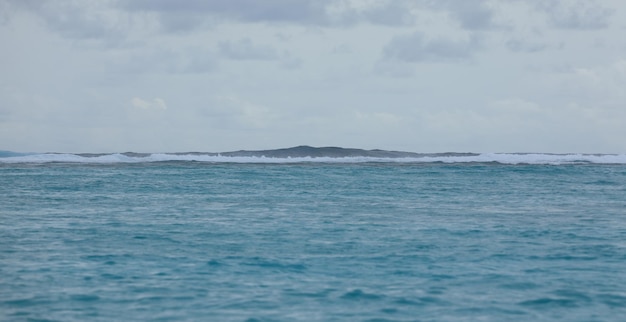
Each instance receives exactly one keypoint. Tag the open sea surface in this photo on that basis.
(122, 238)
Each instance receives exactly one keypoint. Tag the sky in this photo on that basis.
(411, 75)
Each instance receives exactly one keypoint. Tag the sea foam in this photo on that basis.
(500, 158)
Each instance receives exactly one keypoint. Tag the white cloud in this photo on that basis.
(524, 45)
(394, 68)
(245, 49)
(234, 111)
(154, 104)
(417, 47)
(182, 60)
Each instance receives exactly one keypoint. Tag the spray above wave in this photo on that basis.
(307, 154)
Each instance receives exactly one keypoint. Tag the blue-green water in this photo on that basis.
(200, 241)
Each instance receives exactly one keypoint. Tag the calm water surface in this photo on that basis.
(191, 241)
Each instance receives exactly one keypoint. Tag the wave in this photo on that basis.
(499, 158)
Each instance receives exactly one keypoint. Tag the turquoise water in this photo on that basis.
(192, 241)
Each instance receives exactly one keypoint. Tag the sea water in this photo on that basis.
(113, 238)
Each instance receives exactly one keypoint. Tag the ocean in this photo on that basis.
(192, 237)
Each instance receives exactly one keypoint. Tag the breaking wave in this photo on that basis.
(500, 158)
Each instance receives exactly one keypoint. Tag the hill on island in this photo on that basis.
(328, 152)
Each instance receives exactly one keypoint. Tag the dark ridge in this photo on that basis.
(196, 153)
(331, 152)
(128, 154)
(136, 155)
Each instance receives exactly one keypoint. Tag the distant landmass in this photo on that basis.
(324, 152)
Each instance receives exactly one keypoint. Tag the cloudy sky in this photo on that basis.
(215, 75)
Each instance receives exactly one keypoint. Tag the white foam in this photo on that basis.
(502, 158)
(534, 158)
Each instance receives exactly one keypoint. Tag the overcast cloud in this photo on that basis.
(212, 75)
